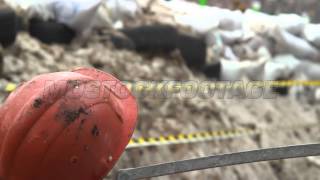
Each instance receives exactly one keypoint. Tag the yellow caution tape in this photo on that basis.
(190, 138)
(211, 135)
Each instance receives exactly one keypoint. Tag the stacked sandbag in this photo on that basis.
(289, 43)
(292, 34)
(119, 9)
(59, 21)
(251, 44)
(224, 44)
(77, 14)
(311, 33)
(235, 70)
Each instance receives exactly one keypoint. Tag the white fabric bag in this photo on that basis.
(311, 33)
(294, 45)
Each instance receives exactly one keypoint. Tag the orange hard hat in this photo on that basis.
(65, 126)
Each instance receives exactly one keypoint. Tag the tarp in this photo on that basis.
(79, 15)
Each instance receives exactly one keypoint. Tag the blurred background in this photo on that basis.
(226, 40)
(273, 7)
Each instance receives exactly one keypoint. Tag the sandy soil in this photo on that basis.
(157, 116)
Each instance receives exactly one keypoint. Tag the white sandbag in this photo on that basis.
(181, 6)
(288, 60)
(229, 54)
(263, 23)
(198, 18)
(77, 14)
(257, 42)
(258, 22)
(102, 18)
(295, 45)
(231, 70)
(288, 65)
(310, 69)
(254, 70)
(213, 38)
(274, 71)
(230, 37)
(292, 23)
(22, 4)
(80, 15)
(83, 14)
(281, 67)
(120, 9)
(30, 8)
(203, 18)
(226, 37)
(229, 20)
(311, 33)
(264, 53)
(40, 10)
(237, 70)
(201, 26)
(307, 71)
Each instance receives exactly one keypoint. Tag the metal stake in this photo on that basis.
(220, 161)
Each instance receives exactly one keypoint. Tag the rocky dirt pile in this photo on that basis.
(28, 58)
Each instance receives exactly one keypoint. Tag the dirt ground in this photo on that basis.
(28, 57)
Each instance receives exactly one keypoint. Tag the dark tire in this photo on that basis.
(213, 71)
(121, 41)
(1, 64)
(8, 25)
(281, 90)
(153, 38)
(20, 24)
(51, 32)
(193, 49)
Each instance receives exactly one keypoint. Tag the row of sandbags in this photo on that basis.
(268, 37)
(293, 33)
(59, 21)
(264, 35)
(193, 48)
(82, 15)
(281, 67)
(79, 15)
(251, 45)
